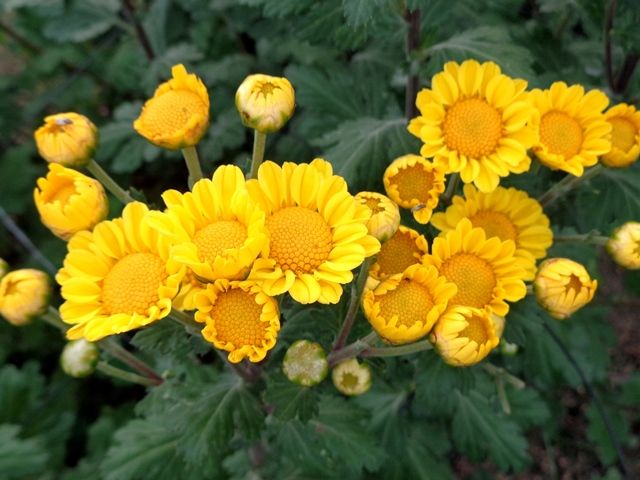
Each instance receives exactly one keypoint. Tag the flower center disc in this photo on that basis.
(132, 284)
(495, 224)
(623, 135)
(171, 111)
(236, 318)
(472, 127)
(300, 239)
(409, 301)
(396, 254)
(216, 238)
(414, 183)
(474, 278)
(476, 330)
(561, 134)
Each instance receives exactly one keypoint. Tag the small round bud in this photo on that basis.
(69, 139)
(624, 245)
(385, 215)
(351, 378)
(24, 294)
(265, 103)
(305, 363)
(79, 358)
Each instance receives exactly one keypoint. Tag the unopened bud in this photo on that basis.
(351, 378)
(79, 358)
(305, 363)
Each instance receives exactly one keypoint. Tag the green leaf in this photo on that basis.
(163, 338)
(83, 21)
(301, 444)
(361, 12)
(20, 458)
(528, 408)
(290, 400)
(597, 431)
(17, 178)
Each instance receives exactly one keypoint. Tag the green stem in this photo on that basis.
(502, 373)
(259, 141)
(397, 351)
(108, 182)
(116, 372)
(52, 317)
(193, 165)
(591, 238)
(186, 321)
(452, 187)
(502, 396)
(352, 350)
(567, 184)
(113, 348)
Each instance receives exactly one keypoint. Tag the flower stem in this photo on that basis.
(186, 321)
(113, 348)
(108, 182)
(397, 351)
(352, 350)
(116, 372)
(52, 317)
(501, 372)
(193, 165)
(259, 141)
(567, 184)
(502, 396)
(591, 238)
(452, 187)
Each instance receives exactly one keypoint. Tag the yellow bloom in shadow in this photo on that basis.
(405, 248)
(24, 294)
(625, 136)
(69, 139)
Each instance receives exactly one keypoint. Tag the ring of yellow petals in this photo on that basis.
(508, 214)
(413, 182)
(404, 307)
(485, 271)
(573, 129)
(624, 245)
(464, 336)
(405, 248)
(239, 318)
(318, 231)
(625, 136)
(476, 121)
(118, 277)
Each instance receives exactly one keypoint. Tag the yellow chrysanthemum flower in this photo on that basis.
(240, 319)
(508, 214)
(476, 121)
(69, 201)
(625, 136)
(69, 139)
(24, 294)
(351, 377)
(177, 116)
(405, 248)
(486, 271)
(563, 286)
(117, 278)
(464, 336)
(573, 129)
(624, 245)
(217, 229)
(385, 215)
(317, 231)
(265, 103)
(404, 307)
(415, 183)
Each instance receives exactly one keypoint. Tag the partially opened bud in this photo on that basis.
(79, 358)
(351, 378)
(305, 363)
(624, 245)
(24, 294)
(265, 103)
(69, 139)
(385, 215)
(625, 136)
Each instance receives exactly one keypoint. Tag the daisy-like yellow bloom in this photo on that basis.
(317, 231)
(177, 116)
(117, 278)
(506, 213)
(464, 336)
(385, 215)
(563, 286)
(265, 103)
(305, 363)
(69, 201)
(217, 229)
(405, 248)
(415, 183)
(625, 136)
(404, 307)
(24, 294)
(239, 318)
(624, 245)
(351, 377)
(486, 271)
(573, 129)
(69, 139)
(476, 121)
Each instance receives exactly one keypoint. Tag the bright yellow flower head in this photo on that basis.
(265, 103)
(486, 271)
(624, 245)
(415, 183)
(625, 136)
(404, 307)
(351, 377)
(69, 139)
(117, 278)
(240, 319)
(563, 286)
(385, 215)
(476, 121)
(405, 248)
(317, 231)
(177, 116)
(24, 294)
(508, 214)
(464, 336)
(69, 201)
(573, 129)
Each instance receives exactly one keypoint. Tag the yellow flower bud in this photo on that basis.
(68, 138)
(385, 215)
(351, 378)
(69, 201)
(79, 358)
(624, 245)
(177, 116)
(4, 268)
(24, 294)
(265, 103)
(563, 286)
(305, 363)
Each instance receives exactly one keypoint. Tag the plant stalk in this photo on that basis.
(141, 35)
(567, 184)
(452, 187)
(120, 374)
(193, 165)
(109, 183)
(591, 238)
(113, 348)
(259, 142)
(411, 43)
(397, 351)
(352, 350)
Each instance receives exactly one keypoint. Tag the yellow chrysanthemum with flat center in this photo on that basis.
(411, 299)
(474, 278)
(561, 134)
(402, 250)
(216, 238)
(472, 127)
(236, 316)
(495, 224)
(172, 111)
(625, 136)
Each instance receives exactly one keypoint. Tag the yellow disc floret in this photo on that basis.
(472, 127)
(405, 248)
